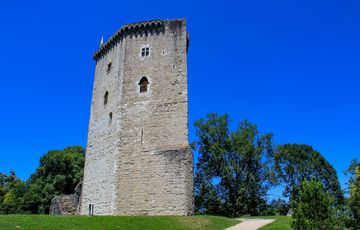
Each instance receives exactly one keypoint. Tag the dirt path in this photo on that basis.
(250, 224)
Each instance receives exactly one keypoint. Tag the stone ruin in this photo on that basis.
(66, 204)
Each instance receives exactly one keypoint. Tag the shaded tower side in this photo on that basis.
(99, 183)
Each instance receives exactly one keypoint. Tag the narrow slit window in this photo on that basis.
(143, 85)
(110, 119)
(106, 97)
(109, 68)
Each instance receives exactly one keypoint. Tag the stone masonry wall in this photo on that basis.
(101, 156)
(141, 163)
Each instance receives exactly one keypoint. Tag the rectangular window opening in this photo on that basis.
(91, 209)
(145, 51)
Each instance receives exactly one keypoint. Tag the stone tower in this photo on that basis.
(138, 160)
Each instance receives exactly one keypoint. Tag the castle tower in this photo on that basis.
(138, 160)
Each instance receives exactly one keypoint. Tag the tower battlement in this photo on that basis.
(138, 160)
(144, 28)
(133, 29)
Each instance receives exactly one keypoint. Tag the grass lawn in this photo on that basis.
(44, 222)
(280, 223)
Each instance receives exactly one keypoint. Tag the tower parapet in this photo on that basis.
(134, 29)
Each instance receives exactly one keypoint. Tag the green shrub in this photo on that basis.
(314, 209)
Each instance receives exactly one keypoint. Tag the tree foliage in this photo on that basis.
(354, 199)
(295, 163)
(314, 208)
(277, 207)
(59, 173)
(12, 190)
(233, 173)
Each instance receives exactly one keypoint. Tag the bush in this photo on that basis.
(315, 209)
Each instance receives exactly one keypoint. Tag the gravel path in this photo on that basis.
(250, 224)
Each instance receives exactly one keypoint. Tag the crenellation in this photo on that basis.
(140, 29)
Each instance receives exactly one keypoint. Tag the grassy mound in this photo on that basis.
(44, 222)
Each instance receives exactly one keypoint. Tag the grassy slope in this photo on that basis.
(280, 223)
(110, 222)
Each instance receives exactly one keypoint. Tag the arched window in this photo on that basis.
(106, 97)
(143, 84)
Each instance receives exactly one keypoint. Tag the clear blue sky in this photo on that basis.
(291, 67)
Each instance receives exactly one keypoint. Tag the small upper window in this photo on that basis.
(145, 51)
(109, 68)
(106, 97)
(143, 84)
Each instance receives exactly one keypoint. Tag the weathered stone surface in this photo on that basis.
(78, 191)
(138, 162)
(66, 204)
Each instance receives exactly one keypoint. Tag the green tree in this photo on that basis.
(3, 178)
(59, 173)
(295, 163)
(12, 191)
(354, 199)
(233, 173)
(314, 208)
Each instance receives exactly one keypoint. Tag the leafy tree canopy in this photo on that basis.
(295, 163)
(12, 190)
(233, 173)
(354, 187)
(59, 173)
